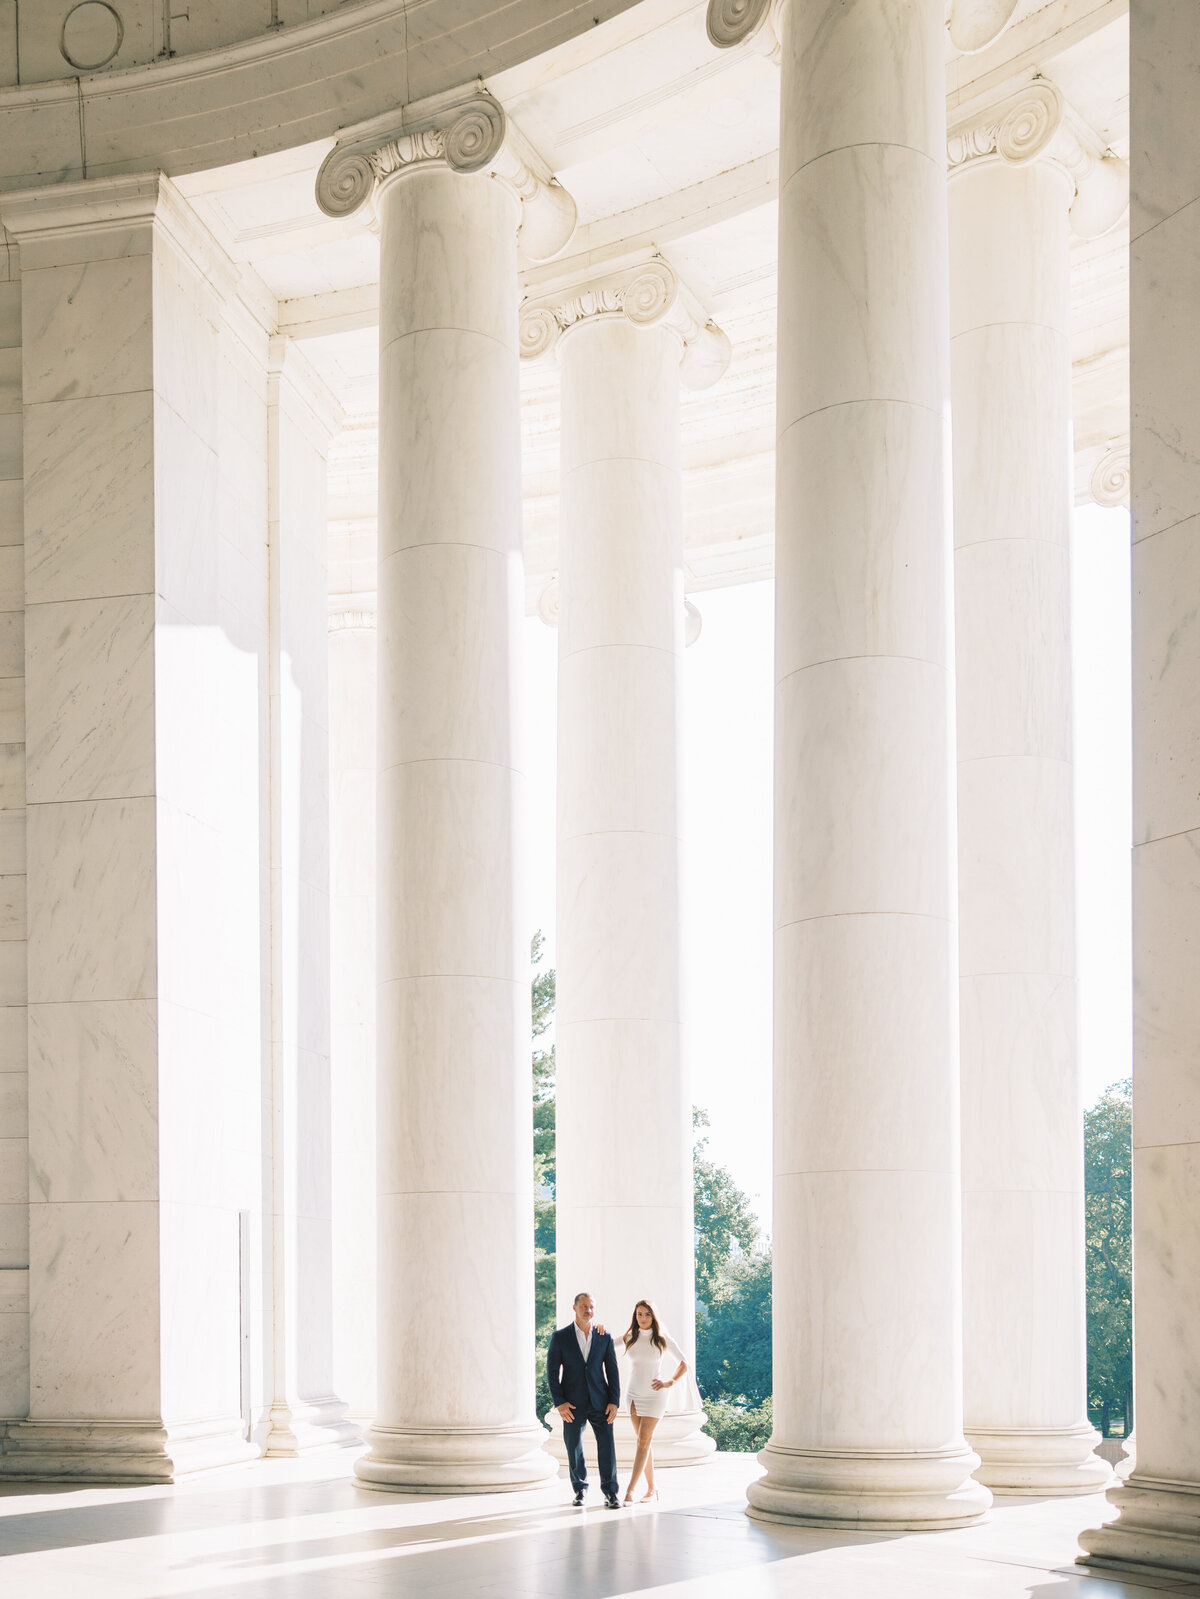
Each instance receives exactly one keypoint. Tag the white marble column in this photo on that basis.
(144, 469)
(1024, 1338)
(304, 1410)
(1158, 1525)
(623, 1120)
(867, 1308)
(14, 1088)
(455, 1407)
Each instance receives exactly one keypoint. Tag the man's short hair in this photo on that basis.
(582, 1295)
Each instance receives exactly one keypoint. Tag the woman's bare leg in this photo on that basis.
(648, 1425)
(643, 1426)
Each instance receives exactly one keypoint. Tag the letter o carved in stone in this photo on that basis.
(91, 35)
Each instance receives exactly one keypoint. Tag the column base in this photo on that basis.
(678, 1439)
(1050, 1462)
(120, 1451)
(455, 1459)
(869, 1492)
(309, 1424)
(1158, 1530)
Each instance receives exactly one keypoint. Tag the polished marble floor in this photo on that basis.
(302, 1530)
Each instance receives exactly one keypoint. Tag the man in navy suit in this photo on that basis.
(581, 1365)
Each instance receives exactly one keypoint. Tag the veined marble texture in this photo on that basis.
(1158, 1526)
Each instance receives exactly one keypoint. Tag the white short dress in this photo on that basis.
(644, 1364)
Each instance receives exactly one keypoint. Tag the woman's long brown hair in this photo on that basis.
(656, 1337)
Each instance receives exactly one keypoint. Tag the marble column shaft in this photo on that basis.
(14, 1083)
(867, 1309)
(1158, 1525)
(624, 1194)
(1024, 1344)
(301, 418)
(455, 1133)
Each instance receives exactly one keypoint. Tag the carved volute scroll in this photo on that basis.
(468, 132)
(648, 295)
(1037, 124)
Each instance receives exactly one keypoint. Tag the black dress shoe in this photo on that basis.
(612, 1501)
(578, 1499)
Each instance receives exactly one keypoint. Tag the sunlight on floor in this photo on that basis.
(303, 1530)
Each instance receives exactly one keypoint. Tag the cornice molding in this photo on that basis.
(468, 132)
(1036, 123)
(648, 294)
(1112, 480)
(359, 617)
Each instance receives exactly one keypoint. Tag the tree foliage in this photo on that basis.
(1108, 1161)
(733, 1306)
(543, 995)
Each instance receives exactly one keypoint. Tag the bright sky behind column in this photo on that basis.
(727, 755)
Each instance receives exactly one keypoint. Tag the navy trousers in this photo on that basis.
(606, 1450)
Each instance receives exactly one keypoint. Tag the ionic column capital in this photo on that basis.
(736, 22)
(973, 24)
(468, 133)
(1112, 480)
(1034, 124)
(650, 294)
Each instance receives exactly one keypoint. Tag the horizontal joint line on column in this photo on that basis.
(861, 144)
(623, 832)
(590, 649)
(473, 977)
(858, 1171)
(442, 544)
(1057, 977)
(866, 399)
(833, 916)
(620, 460)
(833, 660)
(415, 333)
(1174, 1143)
(1023, 538)
(449, 760)
(1010, 322)
(1052, 760)
(446, 1193)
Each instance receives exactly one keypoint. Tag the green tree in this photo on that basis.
(1108, 1210)
(733, 1306)
(723, 1217)
(543, 996)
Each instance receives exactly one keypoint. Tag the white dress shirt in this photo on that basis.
(585, 1341)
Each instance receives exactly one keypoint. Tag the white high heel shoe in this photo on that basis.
(646, 1498)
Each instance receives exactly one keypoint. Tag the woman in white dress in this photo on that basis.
(646, 1346)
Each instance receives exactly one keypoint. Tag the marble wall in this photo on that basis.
(144, 700)
(14, 1184)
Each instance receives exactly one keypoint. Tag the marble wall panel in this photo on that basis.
(94, 1101)
(86, 329)
(90, 699)
(90, 498)
(91, 870)
(14, 1343)
(93, 1310)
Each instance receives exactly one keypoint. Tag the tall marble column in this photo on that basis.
(455, 1407)
(867, 1307)
(302, 416)
(1015, 172)
(624, 1141)
(14, 1081)
(1158, 1525)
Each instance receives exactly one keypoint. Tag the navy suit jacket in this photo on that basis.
(588, 1387)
